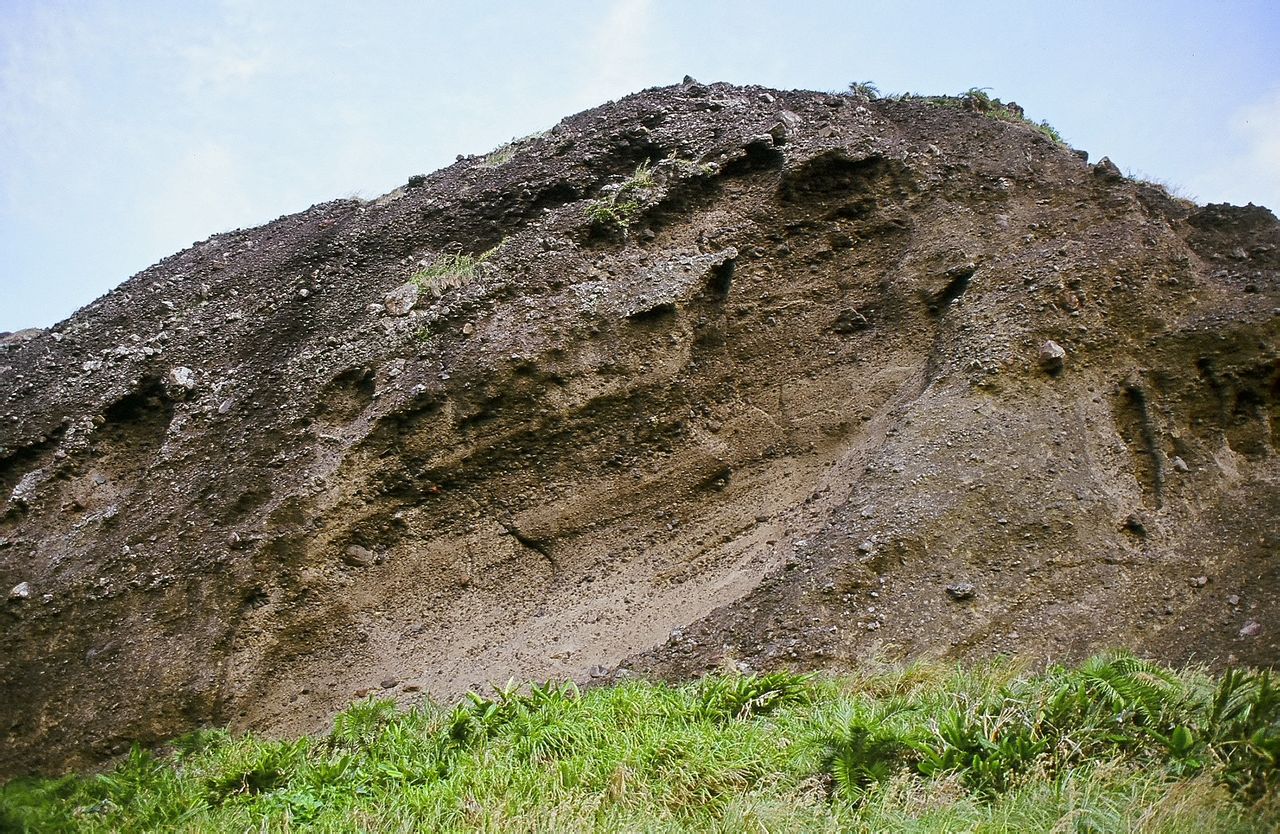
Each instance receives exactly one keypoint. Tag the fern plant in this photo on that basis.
(359, 725)
(873, 747)
(735, 696)
(1110, 693)
(1242, 730)
(989, 747)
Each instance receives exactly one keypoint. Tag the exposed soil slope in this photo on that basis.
(795, 413)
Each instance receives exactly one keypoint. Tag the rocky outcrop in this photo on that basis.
(748, 376)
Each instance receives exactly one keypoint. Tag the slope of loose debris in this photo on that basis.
(709, 375)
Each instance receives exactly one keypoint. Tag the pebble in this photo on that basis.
(357, 556)
(1052, 357)
(1251, 629)
(180, 382)
(20, 591)
(402, 299)
(961, 590)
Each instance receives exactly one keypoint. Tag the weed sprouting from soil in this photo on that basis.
(624, 204)
(451, 270)
(976, 99)
(1115, 744)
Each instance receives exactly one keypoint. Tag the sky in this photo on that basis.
(129, 130)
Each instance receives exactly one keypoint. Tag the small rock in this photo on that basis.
(225, 406)
(179, 383)
(1107, 171)
(1082, 154)
(389, 683)
(402, 299)
(1134, 524)
(598, 671)
(1052, 357)
(357, 556)
(1234, 599)
(20, 591)
(1251, 629)
(850, 321)
(1198, 581)
(412, 687)
(468, 329)
(1180, 465)
(961, 591)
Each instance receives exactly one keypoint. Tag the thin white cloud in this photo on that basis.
(41, 96)
(1249, 170)
(205, 191)
(222, 66)
(235, 49)
(1260, 127)
(619, 57)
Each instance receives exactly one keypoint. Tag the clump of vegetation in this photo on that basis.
(624, 204)
(864, 90)
(450, 270)
(1170, 189)
(1115, 744)
(499, 156)
(507, 151)
(976, 99)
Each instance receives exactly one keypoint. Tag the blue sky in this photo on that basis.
(130, 130)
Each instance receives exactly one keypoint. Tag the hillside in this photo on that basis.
(708, 375)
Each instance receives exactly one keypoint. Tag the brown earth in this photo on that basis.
(787, 417)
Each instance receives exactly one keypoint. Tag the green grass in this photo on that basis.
(624, 205)
(507, 151)
(452, 270)
(975, 98)
(1115, 744)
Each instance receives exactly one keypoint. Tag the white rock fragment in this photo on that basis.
(1052, 356)
(402, 299)
(179, 383)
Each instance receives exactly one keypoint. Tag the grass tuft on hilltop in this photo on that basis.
(1114, 744)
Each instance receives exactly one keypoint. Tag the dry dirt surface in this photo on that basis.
(787, 400)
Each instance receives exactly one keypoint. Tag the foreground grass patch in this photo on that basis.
(1116, 744)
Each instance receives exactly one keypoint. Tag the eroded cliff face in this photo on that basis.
(790, 408)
